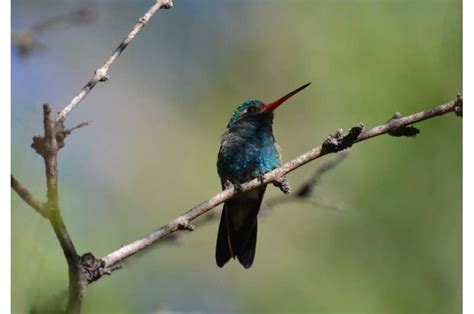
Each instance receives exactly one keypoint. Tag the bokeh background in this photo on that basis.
(150, 154)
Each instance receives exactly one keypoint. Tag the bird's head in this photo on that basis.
(257, 109)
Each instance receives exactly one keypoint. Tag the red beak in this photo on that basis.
(273, 105)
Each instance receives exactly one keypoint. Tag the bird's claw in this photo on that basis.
(261, 177)
(283, 184)
(237, 187)
(227, 184)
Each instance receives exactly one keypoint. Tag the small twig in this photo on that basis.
(28, 197)
(304, 192)
(80, 125)
(26, 40)
(275, 201)
(308, 187)
(80, 15)
(100, 75)
(333, 143)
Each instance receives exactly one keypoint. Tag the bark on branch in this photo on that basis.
(28, 197)
(86, 268)
(334, 143)
(48, 146)
(100, 75)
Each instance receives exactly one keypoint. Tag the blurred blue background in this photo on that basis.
(150, 154)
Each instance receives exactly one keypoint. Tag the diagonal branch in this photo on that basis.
(26, 40)
(302, 194)
(28, 197)
(100, 75)
(334, 143)
(86, 268)
(82, 14)
(307, 188)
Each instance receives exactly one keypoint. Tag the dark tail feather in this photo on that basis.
(247, 252)
(237, 235)
(223, 252)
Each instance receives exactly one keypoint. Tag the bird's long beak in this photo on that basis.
(273, 105)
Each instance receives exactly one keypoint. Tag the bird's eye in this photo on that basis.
(251, 109)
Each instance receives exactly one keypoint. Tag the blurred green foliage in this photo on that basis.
(150, 154)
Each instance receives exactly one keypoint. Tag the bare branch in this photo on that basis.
(80, 15)
(334, 143)
(86, 268)
(302, 195)
(26, 40)
(304, 192)
(28, 197)
(273, 202)
(454, 105)
(80, 125)
(307, 188)
(100, 75)
(48, 147)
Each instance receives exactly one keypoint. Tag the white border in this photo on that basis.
(5, 157)
(468, 133)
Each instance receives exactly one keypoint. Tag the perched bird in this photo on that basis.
(248, 150)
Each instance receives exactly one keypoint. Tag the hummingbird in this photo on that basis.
(248, 150)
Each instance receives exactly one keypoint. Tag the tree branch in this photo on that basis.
(26, 40)
(398, 123)
(303, 194)
(86, 268)
(307, 188)
(334, 143)
(28, 197)
(48, 147)
(100, 75)
(66, 132)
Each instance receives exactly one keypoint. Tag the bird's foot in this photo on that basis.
(261, 177)
(237, 187)
(283, 184)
